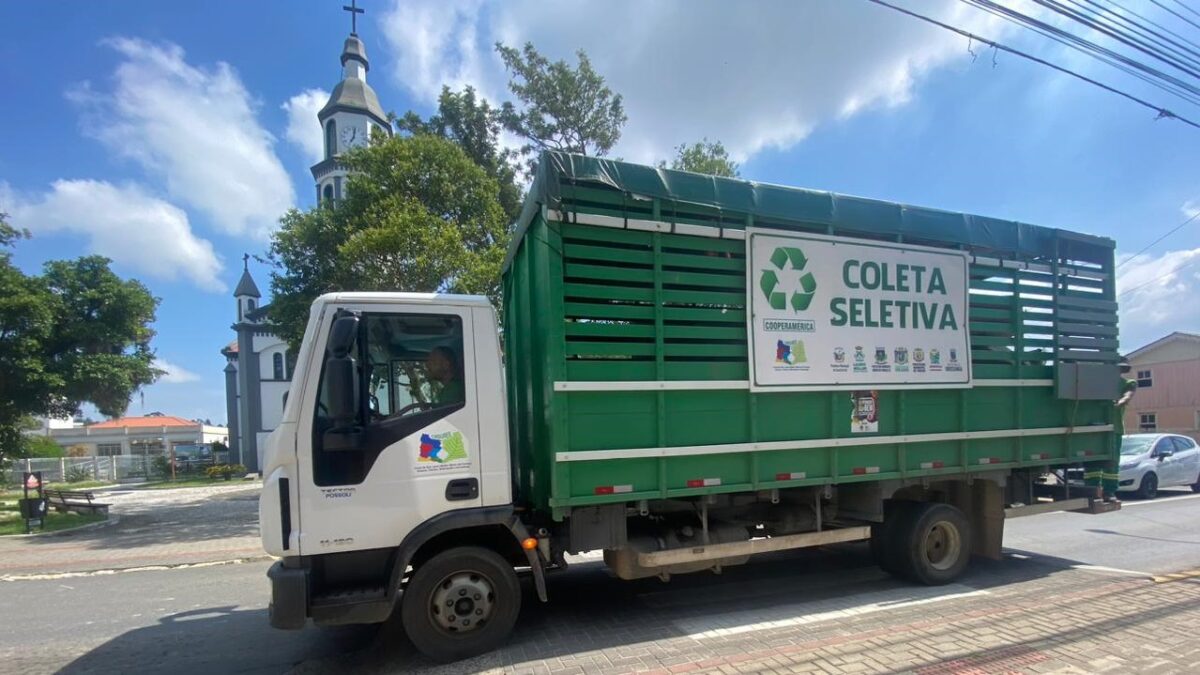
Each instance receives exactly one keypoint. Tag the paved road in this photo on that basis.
(1044, 608)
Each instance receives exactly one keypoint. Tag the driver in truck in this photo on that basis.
(442, 367)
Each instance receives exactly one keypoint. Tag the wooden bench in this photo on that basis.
(79, 501)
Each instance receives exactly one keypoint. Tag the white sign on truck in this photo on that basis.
(835, 313)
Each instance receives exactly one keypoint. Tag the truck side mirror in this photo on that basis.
(342, 334)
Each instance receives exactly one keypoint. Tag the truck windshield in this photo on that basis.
(1135, 445)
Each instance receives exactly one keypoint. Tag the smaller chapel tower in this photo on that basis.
(350, 117)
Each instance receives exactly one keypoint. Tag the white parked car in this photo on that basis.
(1151, 461)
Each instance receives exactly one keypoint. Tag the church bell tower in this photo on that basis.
(350, 117)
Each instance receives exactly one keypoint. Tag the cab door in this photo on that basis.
(395, 432)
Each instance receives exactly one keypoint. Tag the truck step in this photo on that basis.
(349, 596)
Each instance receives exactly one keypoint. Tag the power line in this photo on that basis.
(1151, 244)
(1181, 4)
(1173, 270)
(1162, 112)
(1187, 20)
(1126, 64)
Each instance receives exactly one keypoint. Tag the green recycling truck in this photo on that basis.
(695, 369)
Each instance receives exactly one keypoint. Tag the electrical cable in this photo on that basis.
(1148, 246)
(1162, 112)
(1173, 270)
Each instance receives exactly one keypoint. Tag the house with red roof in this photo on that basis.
(150, 435)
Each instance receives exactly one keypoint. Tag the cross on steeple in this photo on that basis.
(354, 10)
(245, 262)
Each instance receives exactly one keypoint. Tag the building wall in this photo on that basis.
(1174, 394)
(272, 403)
(92, 439)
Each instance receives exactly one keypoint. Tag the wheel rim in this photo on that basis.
(462, 602)
(943, 546)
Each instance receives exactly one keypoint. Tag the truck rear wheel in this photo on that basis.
(931, 544)
(462, 602)
(883, 536)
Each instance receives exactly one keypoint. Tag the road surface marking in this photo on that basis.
(841, 607)
(145, 568)
(1177, 576)
(1116, 570)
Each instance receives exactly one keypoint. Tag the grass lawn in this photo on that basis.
(12, 523)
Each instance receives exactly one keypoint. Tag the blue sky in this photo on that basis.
(170, 136)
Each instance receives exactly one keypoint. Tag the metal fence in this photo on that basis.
(114, 469)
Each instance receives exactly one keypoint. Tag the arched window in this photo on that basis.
(277, 364)
(327, 194)
(330, 139)
(250, 305)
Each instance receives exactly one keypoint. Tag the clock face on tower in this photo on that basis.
(350, 136)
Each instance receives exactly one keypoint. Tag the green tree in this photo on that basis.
(704, 157)
(562, 107)
(473, 125)
(41, 446)
(420, 215)
(75, 334)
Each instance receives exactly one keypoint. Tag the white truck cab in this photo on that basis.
(394, 433)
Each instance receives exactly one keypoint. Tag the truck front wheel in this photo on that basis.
(932, 544)
(462, 602)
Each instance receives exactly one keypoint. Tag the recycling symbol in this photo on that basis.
(791, 260)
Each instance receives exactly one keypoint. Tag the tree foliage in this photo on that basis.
(472, 124)
(561, 107)
(704, 157)
(419, 215)
(75, 334)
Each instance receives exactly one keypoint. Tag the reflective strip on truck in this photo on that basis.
(1084, 453)
(795, 475)
(703, 482)
(1040, 455)
(936, 464)
(864, 470)
(613, 489)
(990, 460)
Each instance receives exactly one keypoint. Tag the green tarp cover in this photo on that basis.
(844, 214)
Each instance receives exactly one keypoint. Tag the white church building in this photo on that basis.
(258, 365)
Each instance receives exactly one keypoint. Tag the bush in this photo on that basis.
(77, 474)
(225, 471)
(161, 466)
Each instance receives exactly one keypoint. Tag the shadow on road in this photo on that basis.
(589, 610)
(216, 640)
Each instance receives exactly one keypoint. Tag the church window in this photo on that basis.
(249, 306)
(277, 364)
(328, 193)
(330, 139)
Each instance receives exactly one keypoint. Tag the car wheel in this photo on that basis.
(883, 536)
(1149, 487)
(460, 603)
(1196, 485)
(932, 544)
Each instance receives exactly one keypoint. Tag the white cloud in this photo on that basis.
(1156, 296)
(194, 128)
(754, 76)
(303, 129)
(174, 374)
(1190, 209)
(135, 229)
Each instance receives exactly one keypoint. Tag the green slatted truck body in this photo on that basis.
(625, 329)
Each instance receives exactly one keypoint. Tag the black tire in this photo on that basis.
(932, 544)
(1196, 485)
(883, 536)
(463, 575)
(1148, 488)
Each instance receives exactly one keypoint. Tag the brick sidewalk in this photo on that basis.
(1014, 616)
(154, 527)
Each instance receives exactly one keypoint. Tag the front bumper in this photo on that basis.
(289, 596)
